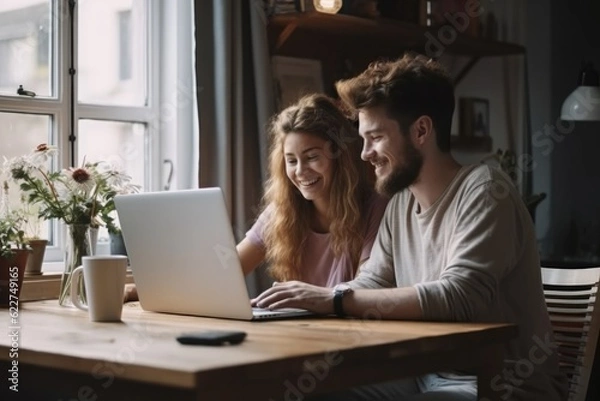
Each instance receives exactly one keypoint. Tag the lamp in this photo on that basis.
(583, 104)
(328, 6)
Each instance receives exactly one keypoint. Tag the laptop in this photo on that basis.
(183, 257)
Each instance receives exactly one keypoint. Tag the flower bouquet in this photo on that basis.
(82, 197)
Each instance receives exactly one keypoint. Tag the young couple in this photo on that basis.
(320, 214)
(455, 243)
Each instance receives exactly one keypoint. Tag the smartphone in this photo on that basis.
(212, 337)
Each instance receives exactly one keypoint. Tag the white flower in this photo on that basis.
(129, 188)
(63, 192)
(116, 178)
(76, 195)
(18, 167)
(42, 154)
(80, 179)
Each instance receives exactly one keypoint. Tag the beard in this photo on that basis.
(404, 175)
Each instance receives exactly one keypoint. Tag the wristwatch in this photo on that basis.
(338, 294)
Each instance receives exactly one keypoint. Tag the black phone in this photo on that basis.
(212, 337)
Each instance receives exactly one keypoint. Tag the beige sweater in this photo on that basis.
(472, 256)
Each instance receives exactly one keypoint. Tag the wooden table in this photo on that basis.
(61, 355)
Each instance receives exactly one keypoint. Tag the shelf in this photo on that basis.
(380, 31)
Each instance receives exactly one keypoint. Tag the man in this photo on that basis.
(456, 242)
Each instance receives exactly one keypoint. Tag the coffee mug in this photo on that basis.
(104, 280)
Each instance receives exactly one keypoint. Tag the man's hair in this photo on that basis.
(408, 88)
(290, 212)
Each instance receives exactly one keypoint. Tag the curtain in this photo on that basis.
(235, 100)
(510, 16)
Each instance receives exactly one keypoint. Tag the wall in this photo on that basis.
(537, 43)
(498, 79)
(487, 80)
(560, 35)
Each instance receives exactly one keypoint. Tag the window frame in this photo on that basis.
(166, 138)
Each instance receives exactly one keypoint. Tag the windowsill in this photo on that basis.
(52, 268)
(56, 266)
(47, 286)
(37, 288)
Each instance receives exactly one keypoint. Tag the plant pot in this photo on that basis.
(36, 258)
(11, 277)
(117, 245)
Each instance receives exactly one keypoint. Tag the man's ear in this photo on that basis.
(422, 129)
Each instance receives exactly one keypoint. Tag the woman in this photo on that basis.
(320, 215)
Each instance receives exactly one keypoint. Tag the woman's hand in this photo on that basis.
(296, 294)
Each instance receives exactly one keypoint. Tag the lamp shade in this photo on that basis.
(583, 104)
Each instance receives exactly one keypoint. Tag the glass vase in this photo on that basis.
(80, 242)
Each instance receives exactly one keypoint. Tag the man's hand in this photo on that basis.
(296, 294)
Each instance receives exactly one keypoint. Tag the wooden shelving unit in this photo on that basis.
(340, 41)
(393, 34)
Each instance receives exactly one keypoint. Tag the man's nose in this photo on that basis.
(366, 152)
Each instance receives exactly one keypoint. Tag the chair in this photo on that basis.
(574, 309)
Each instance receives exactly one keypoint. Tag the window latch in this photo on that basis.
(169, 162)
(23, 92)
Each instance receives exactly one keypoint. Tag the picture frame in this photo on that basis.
(474, 126)
(474, 117)
(295, 77)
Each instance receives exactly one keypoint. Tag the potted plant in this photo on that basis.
(29, 222)
(117, 244)
(33, 239)
(111, 220)
(13, 253)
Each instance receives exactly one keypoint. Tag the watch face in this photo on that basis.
(342, 288)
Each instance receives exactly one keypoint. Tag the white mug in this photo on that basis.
(104, 280)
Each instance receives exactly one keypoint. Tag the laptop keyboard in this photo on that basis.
(267, 312)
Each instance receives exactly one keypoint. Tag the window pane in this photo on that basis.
(20, 134)
(26, 51)
(112, 65)
(120, 144)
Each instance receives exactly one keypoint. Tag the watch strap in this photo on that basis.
(338, 297)
(338, 307)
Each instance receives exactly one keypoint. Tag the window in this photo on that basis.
(112, 108)
(24, 33)
(125, 59)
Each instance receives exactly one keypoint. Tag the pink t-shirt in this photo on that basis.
(320, 266)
